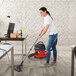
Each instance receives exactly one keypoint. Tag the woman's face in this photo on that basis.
(42, 13)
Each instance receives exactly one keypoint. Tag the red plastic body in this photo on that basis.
(40, 54)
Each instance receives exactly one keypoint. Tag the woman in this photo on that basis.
(49, 25)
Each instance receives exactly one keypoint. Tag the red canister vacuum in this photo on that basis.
(39, 50)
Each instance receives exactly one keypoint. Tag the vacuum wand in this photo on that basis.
(30, 50)
(18, 68)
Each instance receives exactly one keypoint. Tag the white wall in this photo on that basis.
(25, 15)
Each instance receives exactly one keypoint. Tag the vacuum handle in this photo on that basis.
(35, 42)
(40, 42)
(40, 34)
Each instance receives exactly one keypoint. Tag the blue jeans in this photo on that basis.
(51, 44)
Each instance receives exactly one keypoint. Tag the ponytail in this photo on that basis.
(49, 14)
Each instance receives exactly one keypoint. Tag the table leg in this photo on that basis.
(72, 63)
(22, 50)
(25, 47)
(12, 62)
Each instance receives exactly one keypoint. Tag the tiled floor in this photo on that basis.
(32, 67)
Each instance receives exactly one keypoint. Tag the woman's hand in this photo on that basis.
(38, 37)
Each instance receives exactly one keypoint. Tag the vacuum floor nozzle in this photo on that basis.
(18, 68)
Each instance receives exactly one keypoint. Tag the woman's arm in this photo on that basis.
(44, 31)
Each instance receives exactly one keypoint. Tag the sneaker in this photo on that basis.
(53, 63)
